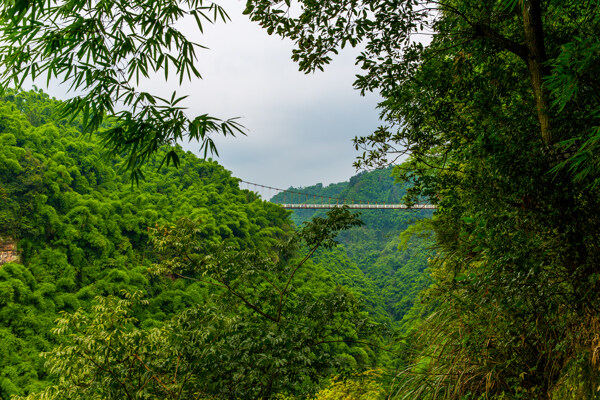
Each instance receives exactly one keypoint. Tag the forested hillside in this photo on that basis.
(182, 278)
(391, 258)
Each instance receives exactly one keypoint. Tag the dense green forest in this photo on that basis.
(490, 111)
(181, 275)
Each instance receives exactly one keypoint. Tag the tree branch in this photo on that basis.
(486, 31)
(284, 293)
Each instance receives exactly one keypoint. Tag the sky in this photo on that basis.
(299, 127)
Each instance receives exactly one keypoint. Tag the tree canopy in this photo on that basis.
(552, 45)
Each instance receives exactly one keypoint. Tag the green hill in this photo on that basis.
(88, 237)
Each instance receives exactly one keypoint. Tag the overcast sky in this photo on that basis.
(300, 127)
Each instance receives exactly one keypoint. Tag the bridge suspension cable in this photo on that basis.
(292, 199)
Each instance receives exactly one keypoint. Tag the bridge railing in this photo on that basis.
(360, 206)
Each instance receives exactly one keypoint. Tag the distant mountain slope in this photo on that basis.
(395, 276)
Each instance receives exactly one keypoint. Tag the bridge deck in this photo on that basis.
(360, 206)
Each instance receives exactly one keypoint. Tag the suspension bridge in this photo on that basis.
(294, 200)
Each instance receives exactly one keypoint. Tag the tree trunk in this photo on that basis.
(536, 59)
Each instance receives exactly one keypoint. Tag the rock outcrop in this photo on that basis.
(8, 251)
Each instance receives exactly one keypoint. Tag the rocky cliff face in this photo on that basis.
(8, 251)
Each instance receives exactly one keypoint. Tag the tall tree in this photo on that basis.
(489, 111)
